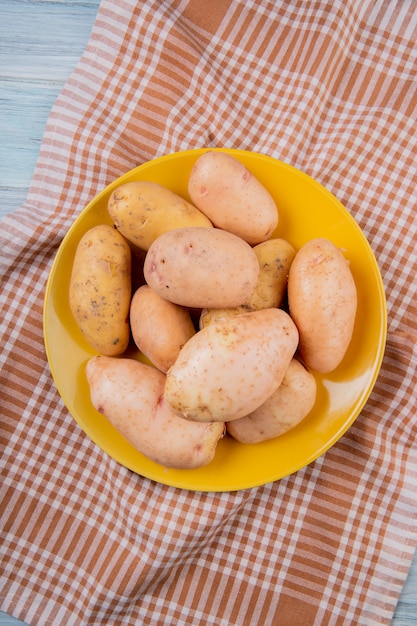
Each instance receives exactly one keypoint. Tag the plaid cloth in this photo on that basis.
(329, 87)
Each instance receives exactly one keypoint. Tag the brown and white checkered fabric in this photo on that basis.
(331, 88)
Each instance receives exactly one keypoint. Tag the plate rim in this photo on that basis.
(171, 481)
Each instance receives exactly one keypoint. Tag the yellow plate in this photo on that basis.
(306, 210)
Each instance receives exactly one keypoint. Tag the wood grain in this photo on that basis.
(41, 42)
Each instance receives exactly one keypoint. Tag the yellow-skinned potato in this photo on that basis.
(322, 299)
(143, 210)
(231, 367)
(201, 267)
(209, 316)
(100, 289)
(282, 411)
(232, 198)
(275, 257)
(159, 328)
(130, 395)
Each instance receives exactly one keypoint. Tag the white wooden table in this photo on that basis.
(40, 43)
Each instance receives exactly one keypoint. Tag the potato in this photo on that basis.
(231, 367)
(130, 395)
(159, 328)
(275, 257)
(201, 268)
(282, 411)
(143, 210)
(322, 300)
(234, 200)
(100, 289)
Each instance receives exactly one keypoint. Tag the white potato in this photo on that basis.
(231, 367)
(159, 328)
(322, 299)
(130, 395)
(201, 267)
(274, 257)
(232, 197)
(283, 410)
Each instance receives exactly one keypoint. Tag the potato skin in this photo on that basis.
(201, 268)
(100, 289)
(229, 368)
(143, 210)
(209, 316)
(274, 257)
(159, 328)
(130, 395)
(234, 200)
(322, 300)
(283, 410)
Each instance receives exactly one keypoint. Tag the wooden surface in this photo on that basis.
(41, 41)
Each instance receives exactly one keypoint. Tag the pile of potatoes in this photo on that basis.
(233, 321)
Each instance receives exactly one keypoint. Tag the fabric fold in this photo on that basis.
(330, 88)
